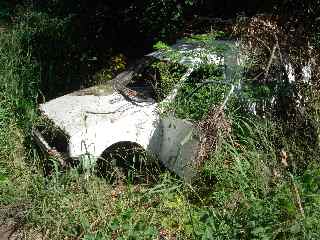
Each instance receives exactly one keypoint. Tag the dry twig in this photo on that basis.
(212, 128)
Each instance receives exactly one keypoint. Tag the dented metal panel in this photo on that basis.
(179, 146)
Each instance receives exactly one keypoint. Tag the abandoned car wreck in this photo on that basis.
(88, 122)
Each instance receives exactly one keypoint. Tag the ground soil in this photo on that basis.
(11, 222)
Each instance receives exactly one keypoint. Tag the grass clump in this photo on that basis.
(68, 205)
(19, 81)
(254, 192)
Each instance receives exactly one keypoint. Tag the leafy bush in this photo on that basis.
(52, 44)
(163, 19)
(194, 99)
(169, 74)
(161, 77)
(115, 65)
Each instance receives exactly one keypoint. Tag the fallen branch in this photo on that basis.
(266, 73)
(45, 147)
(297, 196)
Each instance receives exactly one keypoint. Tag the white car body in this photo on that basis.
(94, 119)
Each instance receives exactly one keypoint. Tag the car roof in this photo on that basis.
(192, 53)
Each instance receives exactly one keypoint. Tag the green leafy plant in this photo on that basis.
(162, 19)
(116, 65)
(161, 77)
(160, 46)
(194, 99)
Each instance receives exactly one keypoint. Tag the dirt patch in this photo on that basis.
(14, 227)
(12, 219)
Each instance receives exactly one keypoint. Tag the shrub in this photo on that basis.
(115, 65)
(161, 77)
(194, 100)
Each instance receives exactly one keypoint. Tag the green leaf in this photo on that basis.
(160, 46)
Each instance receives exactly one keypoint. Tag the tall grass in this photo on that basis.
(19, 78)
(253, 192)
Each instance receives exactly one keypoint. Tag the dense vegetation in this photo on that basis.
(261, 179)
